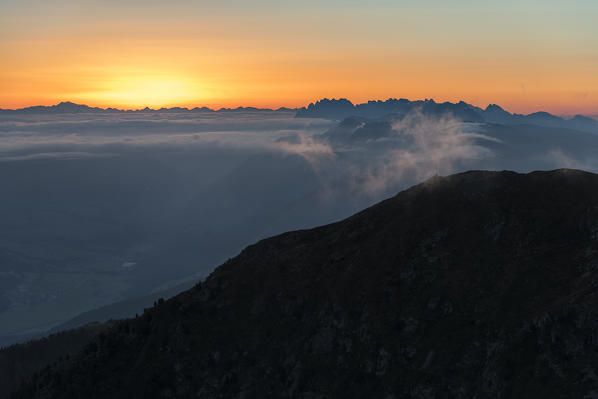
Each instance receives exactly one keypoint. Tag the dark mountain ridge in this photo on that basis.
(68, 107)
(343, 108)
(481, 284)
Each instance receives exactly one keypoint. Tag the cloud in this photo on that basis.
(307, 147)
(52, 155)
(371, 159)
(438, 142)
(92, 133)
(419, 146)
(562, 160)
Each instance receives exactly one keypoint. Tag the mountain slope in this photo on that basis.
(20, 361)
(481, 284)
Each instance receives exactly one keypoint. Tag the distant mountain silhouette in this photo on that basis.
(343, 108)
(481, 284)
(67, 107)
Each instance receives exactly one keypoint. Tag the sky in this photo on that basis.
(525, 55)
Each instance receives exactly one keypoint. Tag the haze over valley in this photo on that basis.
(102, 207)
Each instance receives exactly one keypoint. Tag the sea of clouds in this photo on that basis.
(172, 195)
(420, 146)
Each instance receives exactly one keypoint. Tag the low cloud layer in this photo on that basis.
(96, 133)
(387, 156)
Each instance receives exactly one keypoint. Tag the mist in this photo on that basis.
(103, 208)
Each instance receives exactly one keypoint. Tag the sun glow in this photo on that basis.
(146, 90)
(131, 54)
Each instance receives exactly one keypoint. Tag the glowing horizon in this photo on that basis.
(540, 55)
(217, 106)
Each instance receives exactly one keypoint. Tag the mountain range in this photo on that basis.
(68, 107)
(475, 285)
(494, 114)
(343, 108)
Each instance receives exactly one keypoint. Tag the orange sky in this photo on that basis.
(132, 54)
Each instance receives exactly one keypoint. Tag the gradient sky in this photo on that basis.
(525, 55)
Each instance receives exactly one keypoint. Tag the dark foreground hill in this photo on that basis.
(482, 284)
(19, 362)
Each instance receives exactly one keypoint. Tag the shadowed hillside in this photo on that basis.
(481, 284)
(21, 361)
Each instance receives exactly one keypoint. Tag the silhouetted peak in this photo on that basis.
(494, 108)
(70, 106)
(328, 108)
(583, 118)
(543, 115)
